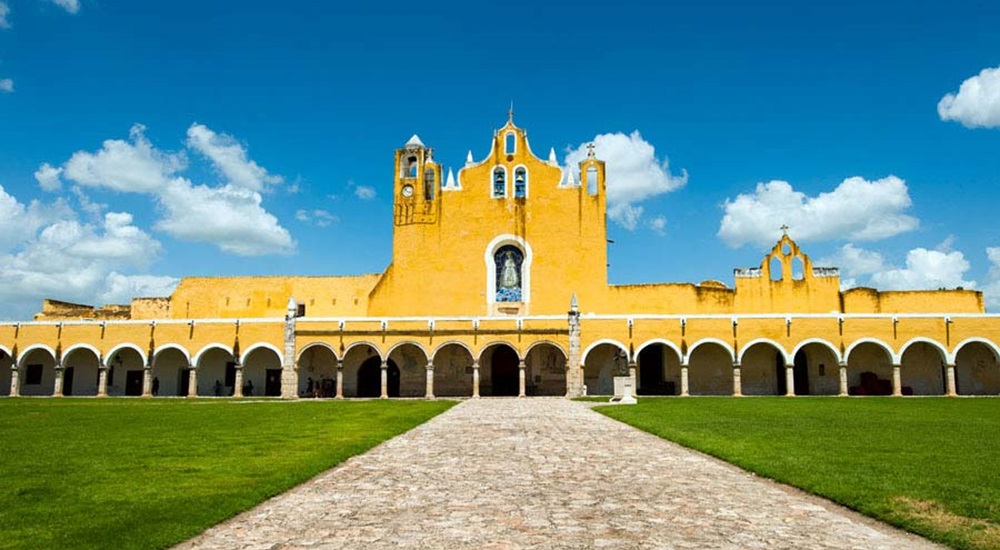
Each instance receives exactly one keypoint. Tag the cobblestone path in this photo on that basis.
(542, 473)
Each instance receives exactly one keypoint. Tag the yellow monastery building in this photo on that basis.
(517, 254)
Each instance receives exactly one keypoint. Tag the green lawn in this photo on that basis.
(131, 473)
(929, 465)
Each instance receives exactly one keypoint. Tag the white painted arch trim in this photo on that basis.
(506, 182)
(453, 343)
(260, 345)
(975, 339)
(527, 181)
(545, 343)
(877, 342)
(820, 341)
(126, 345)
(378, 350)
(725, 345)
(496, 344)
(77, 347)
(616, 343)
(491, 270)
(655, 341)
(6, 351)
(165, 347)
(27, 351)
(746, 347)
(312, 345)
(214, 345)
(945, 356)
(398, 345)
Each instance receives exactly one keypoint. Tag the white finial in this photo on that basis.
(552, 157)
(449, 182)
(292, 306)
(415, 141)
(573, 304)
(570, 179)
(468, 159)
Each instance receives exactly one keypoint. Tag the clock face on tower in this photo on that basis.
(407, 191)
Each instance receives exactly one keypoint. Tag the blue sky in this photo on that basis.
(144, 141)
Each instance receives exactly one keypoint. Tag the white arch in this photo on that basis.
(213, 345)
(545, 342)
(126, 345)
(685, 360)
(495, 344)
(941, 349)
(365, 343)
(655, 341)
(876, 341)
(527, 181)
(27, 351)
(259, 345)
(820, 341)
(6, 351)
(619, 345)
(311, 345)
(755, 341)
(506, 181)
(66, 353)
(165, 347)
(407, 343)
(491, 272)
(954, 354)
(455, 342)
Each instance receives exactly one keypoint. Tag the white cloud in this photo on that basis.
(124, 166)
(634, 173)
(977, 103)
(857, 209)
(658, 225)
(319, 218)
(71, 6)
(230, 158)
(120, 289)
(48, 177)
(991, 291)
(924, 270)
(4, 12)
(230, 216)
(364, 192)
(19, 223)
(6, 85)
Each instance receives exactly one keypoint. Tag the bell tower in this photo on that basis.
(416, 193)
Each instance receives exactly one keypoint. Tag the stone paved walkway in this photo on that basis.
(542, 473)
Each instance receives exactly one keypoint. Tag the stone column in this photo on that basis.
(238, 382)
(897, 383)
(340, 378)
(684, 381)
(57, 390)
(430, 380)
(949, 381)
(289, 374)
(520, 379)
(192, 381)
(574, 367)
(737, 381)
(15, 381)
(632, 377)
(385, 380)
(475, 378)
(790, 380)
(102, 380)
(147, 381)
(843, 379)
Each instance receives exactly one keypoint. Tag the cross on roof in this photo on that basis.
(510, 112)
(590, 152)
(784, 229)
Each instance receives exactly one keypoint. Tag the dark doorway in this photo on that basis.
(272, 382)
(370, 378)
(780, 375)
(68, 381)
(133, 382)
(183, 382)
(651, 372)
(801, 371)
(504, 371)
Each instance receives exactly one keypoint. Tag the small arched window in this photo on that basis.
(520, 182)
(510, 143)
(499, 182)
(410, 170)
(429, 184)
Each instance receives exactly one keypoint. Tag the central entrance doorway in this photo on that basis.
(370, 378)
(504, 371)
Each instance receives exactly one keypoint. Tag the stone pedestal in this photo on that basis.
(624, 391)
